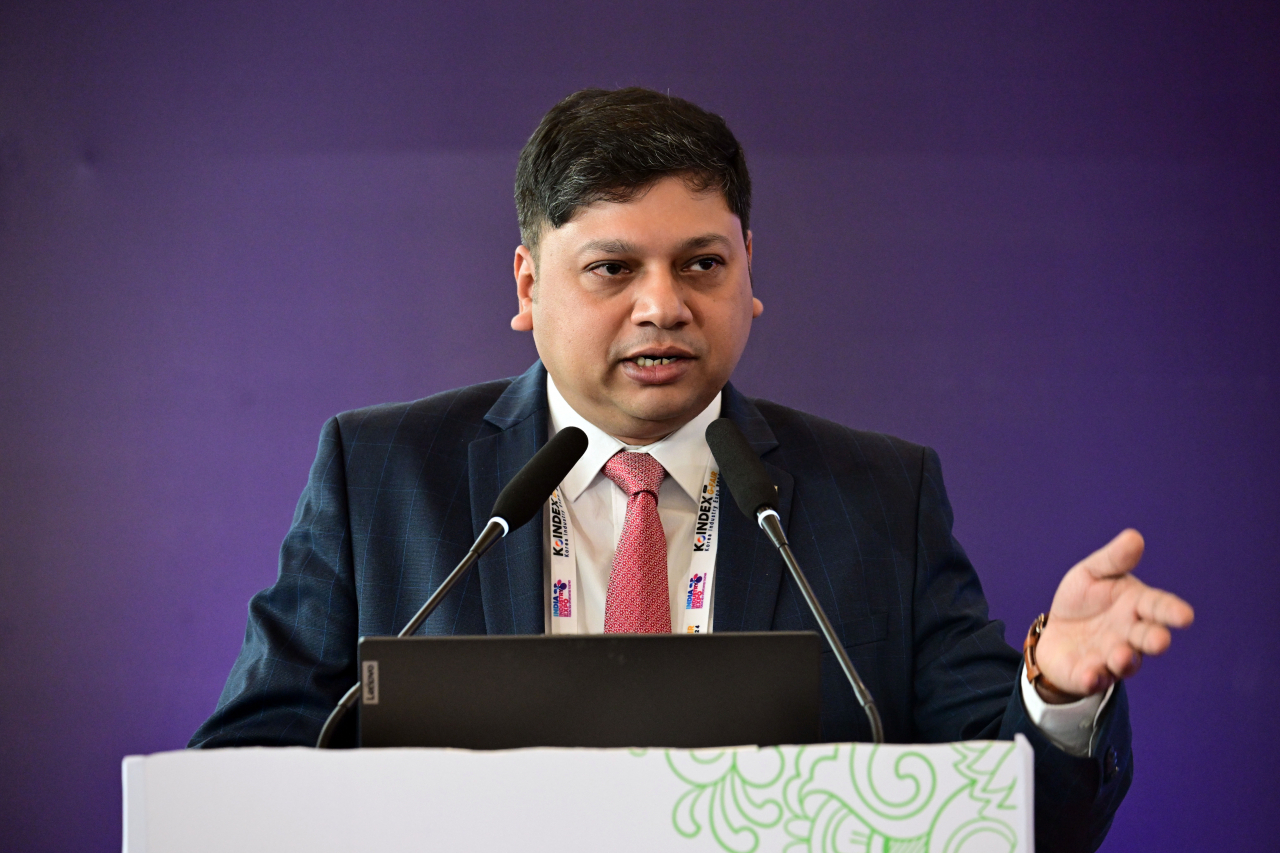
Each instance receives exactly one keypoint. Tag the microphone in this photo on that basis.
(757, 497)
(516, 506)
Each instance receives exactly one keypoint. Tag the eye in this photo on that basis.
(705, 264)
(609, 269)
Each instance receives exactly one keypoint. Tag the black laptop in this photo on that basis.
(615, 690)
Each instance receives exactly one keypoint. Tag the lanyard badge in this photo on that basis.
(694, 615)
(565, 616)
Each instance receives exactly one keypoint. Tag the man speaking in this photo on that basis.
(634, 276)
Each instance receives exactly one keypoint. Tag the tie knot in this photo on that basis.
(635, 472)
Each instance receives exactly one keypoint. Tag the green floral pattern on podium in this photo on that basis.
(957, 798)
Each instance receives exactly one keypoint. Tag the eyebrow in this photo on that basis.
(608, 247)
(622, 247)
(706, 241)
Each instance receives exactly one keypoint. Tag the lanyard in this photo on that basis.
(694, 615)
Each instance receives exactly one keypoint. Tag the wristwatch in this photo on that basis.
(1034, 676)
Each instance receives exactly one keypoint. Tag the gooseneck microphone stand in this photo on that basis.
(518, 503)
(756, 495)
(772, 525)
(493, 531)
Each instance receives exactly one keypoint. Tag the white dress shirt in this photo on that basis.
(597, 510)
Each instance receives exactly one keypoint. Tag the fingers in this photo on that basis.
(1097, 655)
(1124, 661)
(1149, 638)
(1156, 605)
(1094, 679)
(1119, 655)
(1118, 557)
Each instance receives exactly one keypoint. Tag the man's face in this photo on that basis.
(640, 309)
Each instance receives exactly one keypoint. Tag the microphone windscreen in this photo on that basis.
(741, 468)
(533, 484)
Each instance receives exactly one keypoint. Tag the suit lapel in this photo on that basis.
(511, 572)
(748, 568)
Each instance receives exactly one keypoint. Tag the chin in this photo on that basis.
(663, 408)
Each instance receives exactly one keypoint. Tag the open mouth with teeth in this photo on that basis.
(645, 361)
(657, 369)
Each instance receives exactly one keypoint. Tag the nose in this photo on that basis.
(659, 301)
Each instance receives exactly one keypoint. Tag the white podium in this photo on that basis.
(972, 797)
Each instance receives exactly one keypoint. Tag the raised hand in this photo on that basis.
(1103, 621)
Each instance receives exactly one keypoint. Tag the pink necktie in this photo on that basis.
(638, 601)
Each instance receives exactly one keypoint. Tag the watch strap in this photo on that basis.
(1032, 669)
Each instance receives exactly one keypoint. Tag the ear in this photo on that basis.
(525, 271)
(757, 307)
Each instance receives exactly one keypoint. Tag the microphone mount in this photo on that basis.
(771, 524)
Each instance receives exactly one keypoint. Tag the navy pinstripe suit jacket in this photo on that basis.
(398, 492)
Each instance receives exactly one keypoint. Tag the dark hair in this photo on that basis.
(599, 145)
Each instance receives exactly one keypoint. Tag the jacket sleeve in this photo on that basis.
(966, 686)
(299, 652)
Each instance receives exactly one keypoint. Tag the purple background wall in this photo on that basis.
(1043, 238)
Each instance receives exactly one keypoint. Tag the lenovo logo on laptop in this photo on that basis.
(369, 683)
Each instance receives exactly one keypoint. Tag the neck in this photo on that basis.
(639, 442)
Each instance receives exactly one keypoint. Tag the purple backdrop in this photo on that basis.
(1045, 240)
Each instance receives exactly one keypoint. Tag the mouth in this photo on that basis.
(650, 356)
(646, 361)
(657, 366)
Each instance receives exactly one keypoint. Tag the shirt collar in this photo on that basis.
(684, 453)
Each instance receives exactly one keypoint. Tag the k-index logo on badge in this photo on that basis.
(559, 539)
(706, 514)
(697, 588)
(562, 598)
